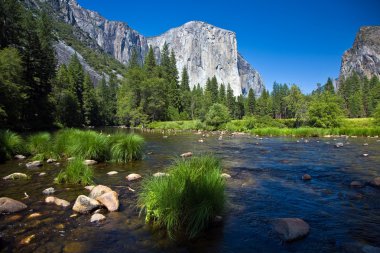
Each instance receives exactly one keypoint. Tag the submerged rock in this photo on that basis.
(84, 204)
(97, 217)
(225, 175)
(89, 162)
(160, 174)
(357, 247)
(375, 182)
(291, 229)
(112, 173)
(57, 201)
(306, 177)
(8, 205)
(356, 184)
(51, 160)
(110, 200)
(33, 215)
(33, 164)
(16, 175)
(339, 145)
(133, 176)
(98, 191)
(27, 239)
(42, 174)
(49, 190)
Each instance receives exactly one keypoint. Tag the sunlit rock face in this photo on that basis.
(205, 50)
(364, 56)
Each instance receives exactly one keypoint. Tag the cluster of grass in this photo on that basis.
(40, 146)
(186, 201)
(10, 145)
(75, 173)
(178, 125)
(126, 148)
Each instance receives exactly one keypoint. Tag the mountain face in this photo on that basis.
(364, 56)
(203, 49)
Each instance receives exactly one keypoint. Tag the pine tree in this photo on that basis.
(90, 106)
(222, 94)
(134, 60)
(329, 86)
(251, 102)
(150, 63)
(230, 100)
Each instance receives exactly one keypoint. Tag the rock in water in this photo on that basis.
(364, 57)
(20, 157)
(48, 191)
(306, 177)
(98, 191)
(51, 160)
(33, 164)
(225, 175)
(89, 162)
(160, 174)
(84, 204)
(187, 154)
(57, 201)
(291, 229)
(339, 145)
(97, 217)
(133, 176)
(16, 175)
(112, 173)
(8, 205)
(375, 182)
(110, 200)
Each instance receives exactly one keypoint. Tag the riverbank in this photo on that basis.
(350, 127)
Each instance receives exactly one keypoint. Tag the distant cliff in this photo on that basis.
(364, 56)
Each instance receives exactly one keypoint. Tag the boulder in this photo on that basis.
(187, 154)
(16, 175)
(339, 145)
(84, 204)
(97, 217)
(112, 173)
(306, 177)
(89, 162)
(160, 174)
(20, 157)
(51, 160)
(98, 191)
(8, 205)
(110, 200)
(34, 164)
(57, 201)
(133, 176)
(375, 182)
(225, 175)
(291, 229)
(48, 191)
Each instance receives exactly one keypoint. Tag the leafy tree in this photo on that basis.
(324, 111)
(296, 103)
(217, 115)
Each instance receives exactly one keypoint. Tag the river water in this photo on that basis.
(266, 184)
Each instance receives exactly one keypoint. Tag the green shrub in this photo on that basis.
(217, 115)
(40, 145)
(126, 147)
(376, 116)
(75, 173)
(187, 200)
(10, 144)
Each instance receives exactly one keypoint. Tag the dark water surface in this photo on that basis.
(266, 184)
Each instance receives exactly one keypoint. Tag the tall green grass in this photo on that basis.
(186, 201)
(10, 144)
(40, 145)
(126, 147)
(75, 173)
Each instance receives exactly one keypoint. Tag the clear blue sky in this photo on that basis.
(288, 41)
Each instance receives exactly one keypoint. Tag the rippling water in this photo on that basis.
(266, 184)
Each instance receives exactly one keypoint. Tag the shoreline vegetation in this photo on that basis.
(363, 127)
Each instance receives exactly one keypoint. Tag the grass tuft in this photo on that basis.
(10, 144)
(76, 173)
(126, 147)
(186, 201)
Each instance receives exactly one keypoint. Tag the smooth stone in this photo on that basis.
(356, 184)
(98, 191)
(20, 157)
(48, 191)
(365, 144)
(165, 136)
(33, 164)
(89, 187)
(8, 205)
(57, 201)
(200, 140)
(306, 177)
(375, 182)
(225, 175)
(89, 162)
(339, 144)
(84, 204)
(133, 176)
(110, 200)
(42, 174)
(187, 154)
(51, 160)
(365, 155)
(27, 239)
(97, 217)
(70, 158)
(112, 173)
(16, 175)
(291, 229)
(33, 215)
(160, 174)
